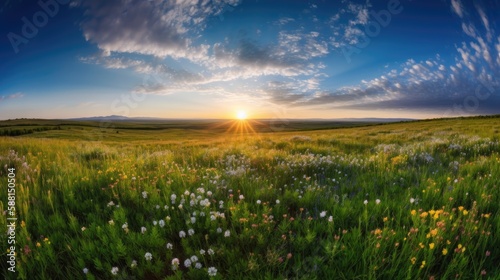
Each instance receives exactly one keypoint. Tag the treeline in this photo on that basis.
(23, 131)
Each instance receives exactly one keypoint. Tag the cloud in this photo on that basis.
(457, 7)
(156, 27)
(11, 96)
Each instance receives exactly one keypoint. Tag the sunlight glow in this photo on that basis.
(241, 115)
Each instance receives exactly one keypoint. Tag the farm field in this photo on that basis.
(410, 200)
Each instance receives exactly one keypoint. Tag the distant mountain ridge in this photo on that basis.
(124, 118)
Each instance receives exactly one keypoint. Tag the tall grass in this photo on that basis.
(401, 201)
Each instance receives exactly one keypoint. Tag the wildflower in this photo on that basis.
(175, 263)
(114, 270)
(219, 230)
(289, 256)
(377, 201)
(431, 246)
(423, 264)
(190, 231)
(111, 222)
(330, 219)
(38, 244)
(172, 198)
(365, 202)
(445, 251)
(412, 200)
(210, 252)
(194, 258)
(85, 270)
(227, 233)
(182, 234)
(385, 219)
(202, 252)
(258, 201)
(84, 228)
(488, 253)
(198, 265)
(483, 272)
(170, 246)
(465, 212)
(212, 271)
(413, 212)
(187, 263)
(413, 260)
(133, 264)
(144, 194)
(143, 230)
(155, 223)
(322, 214)
(241, 197)
(111, 203)
(161, 223)
(277, 201)
(148, 256)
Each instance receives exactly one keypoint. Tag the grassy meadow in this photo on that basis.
(411, 200)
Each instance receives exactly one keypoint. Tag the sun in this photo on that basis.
(241, 115)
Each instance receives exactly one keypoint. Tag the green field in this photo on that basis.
(204, 200)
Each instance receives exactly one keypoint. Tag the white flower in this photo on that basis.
(227, 233)
(114, 270)
(194, 258)
(412, 200)
(111, 203)
(187, 263)
(212, 271)
(193, 220)
(134, 263)
(377, 201)
(219, 230)
(191, 232)
(180, 206)
(330, 219)
(148, 256)
(157, 206)
(210, 251)
(161, 223)
(241, 197)
(170, 246)
(182, 234)
(143, 230)
(172, 198)
(365, 202)
(84, 228)
(198, 265)
(212, 218)
(144, 194)
(202, 252)
(209, 193)
(277, 201)
(111, 222)
(258, 201)
(85, 270)
(175, 263)
(322, 214)
(186, 192)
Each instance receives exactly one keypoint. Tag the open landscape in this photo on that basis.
(250, 139)
(408, 200)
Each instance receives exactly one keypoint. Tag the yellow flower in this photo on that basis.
(421, 245)
(413, 212)
(465, 212)
(445, 251)
(424, 214)
(413, 260)
(386, 219)
(459, 246)
(38, 244)
(431, 246)
(23, 224)
(434, 232)
(486, 216)
(423, 264)
(463, 249)
(460, 208)
(448, 242)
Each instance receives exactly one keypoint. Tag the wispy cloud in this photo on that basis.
(11, 96)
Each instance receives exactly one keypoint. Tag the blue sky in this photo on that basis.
(272, 59)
